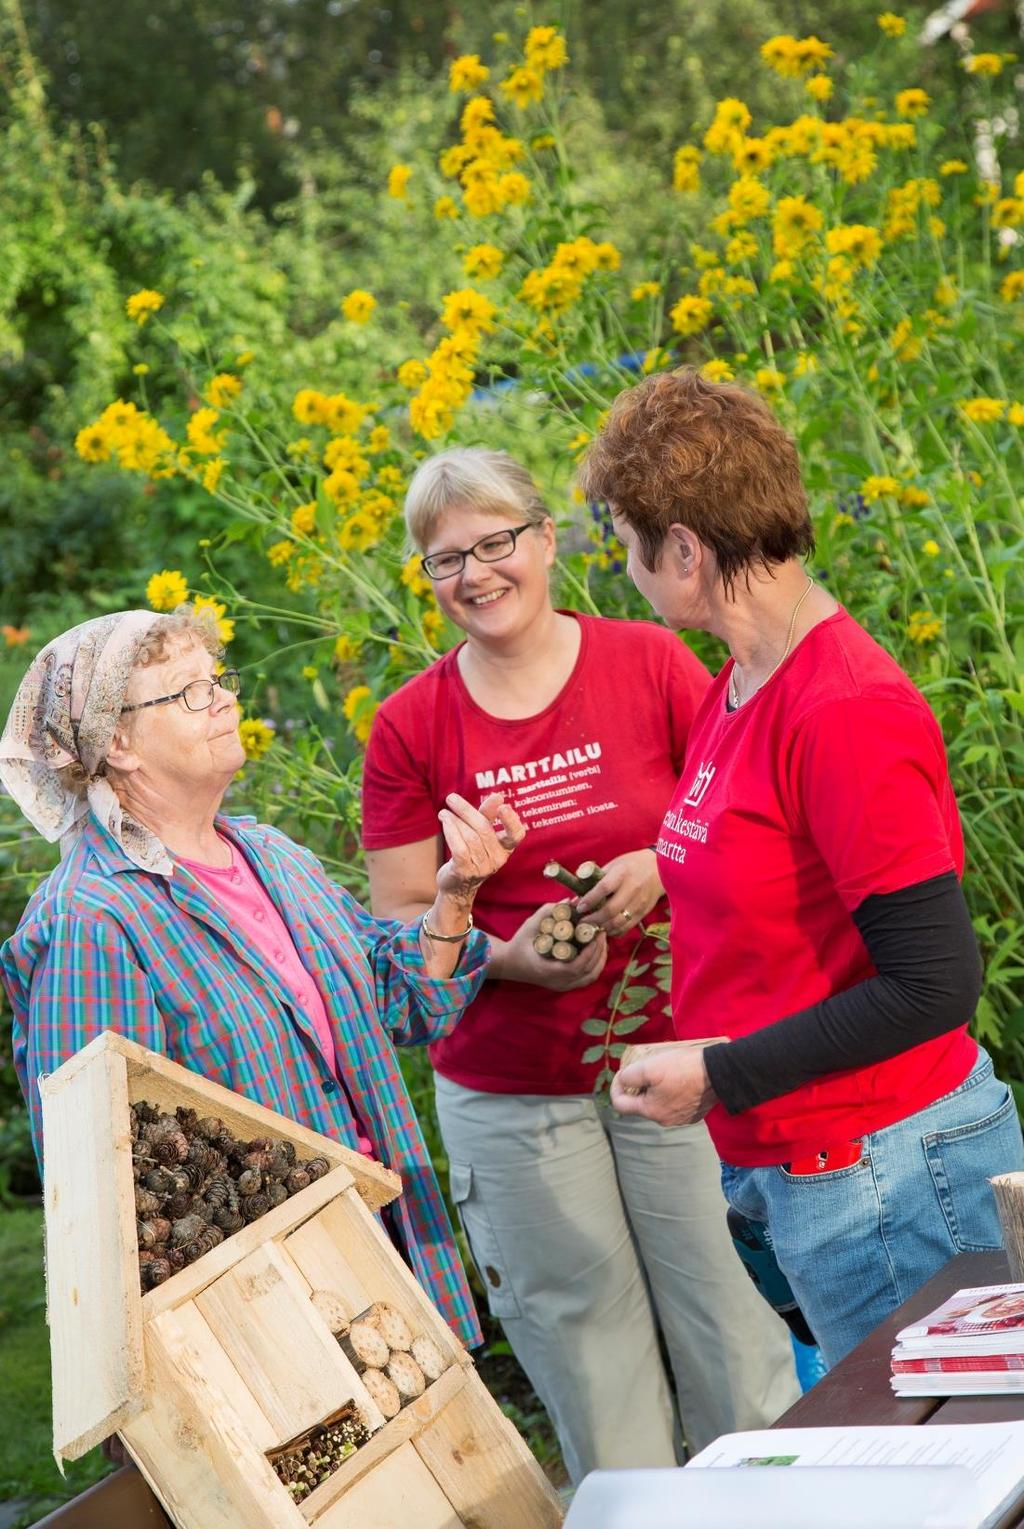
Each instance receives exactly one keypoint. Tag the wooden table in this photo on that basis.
(857, 1390)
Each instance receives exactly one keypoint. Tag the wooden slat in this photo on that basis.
(400, 1494)
(124, 1500)
(484, 1467)
(263, 1317)
(92, 1270)
(195, 1278)
(409, 1422)
(364, 1262)
(190, 1331)
(195, 1451)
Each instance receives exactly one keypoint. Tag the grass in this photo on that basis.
(27, 1468)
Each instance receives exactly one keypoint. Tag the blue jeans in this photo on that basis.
(855, 1243)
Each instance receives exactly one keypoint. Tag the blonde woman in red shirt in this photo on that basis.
(812, 855)
(591, 1232)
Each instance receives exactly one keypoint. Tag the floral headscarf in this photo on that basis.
(64, 713)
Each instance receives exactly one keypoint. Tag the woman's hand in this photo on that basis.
(515, 960)
(670, 1086)
(479, 840)
(626, 893)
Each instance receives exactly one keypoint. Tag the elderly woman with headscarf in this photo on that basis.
(218, 941)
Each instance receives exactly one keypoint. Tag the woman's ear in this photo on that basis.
(121, 756)
(686, 549)
(547, 532)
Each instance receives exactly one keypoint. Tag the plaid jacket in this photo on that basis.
(103, 945)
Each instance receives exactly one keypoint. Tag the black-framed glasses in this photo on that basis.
(197, 694)
(489, 549)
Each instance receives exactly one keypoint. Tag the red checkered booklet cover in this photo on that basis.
(946, 1364)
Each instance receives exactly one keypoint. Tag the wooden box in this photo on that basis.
(208, 1374)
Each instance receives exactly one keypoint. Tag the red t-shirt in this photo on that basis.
(828, 785)
(589, 775)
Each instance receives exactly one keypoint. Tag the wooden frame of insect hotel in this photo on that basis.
(221, 1294)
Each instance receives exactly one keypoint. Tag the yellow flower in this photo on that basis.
(645, 289)
(467, 73)
(805, 362)
(256, 737)
(954, 167)
(792, 57)
(717, 370)
(914, 498)
(398, 181)
(358, 306)
(310, 407)
(690, 314)
(200, 432)
(391, 477)
(142, 303)
(222, 389)
(782, 270)
(345, 451)
(858, 242)
(1015, 414)
(225, 626)
(742, 246)
(731, 120)
(483, 261)
(794, 225)
(905, 344)
(654, 359)
(469, 311)
(686, 168)
(378, 440)
(279, 553)
(167, 590)
(931, 548)
(982, 410)
(748, 199)
(342, 416)
(303, 519)
(545, 49)
(923, 626)
(211, 474)
(1008, 212)
(360, 708)
(769, 379)
(912, 103)
(819, 86)
(891, 24)
(245, 358)
(93, 443)
(433, 625)
(984, 63)
(445, 207)
(523, 86)
(413, 576)
(141, 369)
(876, 487)
(346, 649)
(300, 447)
(411, 374)
(841, 520)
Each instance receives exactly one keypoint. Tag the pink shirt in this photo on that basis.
(252, 913)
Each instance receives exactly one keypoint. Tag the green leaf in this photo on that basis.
(635, 998)
(628, 1023)
(1015, 698)
(592, 1054)
(594, 1026)
(617, 1048)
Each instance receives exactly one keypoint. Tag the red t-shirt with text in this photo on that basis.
(590, 776)
(828, 785)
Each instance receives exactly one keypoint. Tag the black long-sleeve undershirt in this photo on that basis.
(928, 981)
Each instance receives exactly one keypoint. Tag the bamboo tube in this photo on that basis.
(563, 950)
(563, 929)
(559, 873)
(561, 910)
(547, 923)
(1008, 1189)
(429, 1357)
(542, 944)
(590, 873)
(407, 1376)
(363, 1344)
(584, 932)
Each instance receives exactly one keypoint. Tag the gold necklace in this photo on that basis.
(734, 693)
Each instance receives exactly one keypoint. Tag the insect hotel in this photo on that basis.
(221, 1294)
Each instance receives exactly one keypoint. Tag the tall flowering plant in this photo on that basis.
(850, 261)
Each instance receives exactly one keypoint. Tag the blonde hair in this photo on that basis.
(470, 478)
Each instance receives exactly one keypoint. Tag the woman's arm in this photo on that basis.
(402, 886)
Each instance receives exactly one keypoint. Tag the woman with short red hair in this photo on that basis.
(812, 855)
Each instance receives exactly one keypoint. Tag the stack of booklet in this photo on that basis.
(970, 1345)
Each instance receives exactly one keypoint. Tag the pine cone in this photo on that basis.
(317, 1167)
(145, 1232)
(170, 1149)
(260, 1154)
(178, 1205)
(250, 1181)
(228, 1220)
(176, 1258)
(209, 1128)
(298, 1179)
(254, 1206)
(161, 1226)
(187, 1119)
(186, 1229)
(203, 1155)
(194, 1175)
(276, 1193)
(147, 1203)
(157, 1271)
(221, 1191)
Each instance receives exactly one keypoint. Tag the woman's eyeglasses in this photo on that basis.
(489, 549)
(197, 694)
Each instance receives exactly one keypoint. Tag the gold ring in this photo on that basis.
(626, 915)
